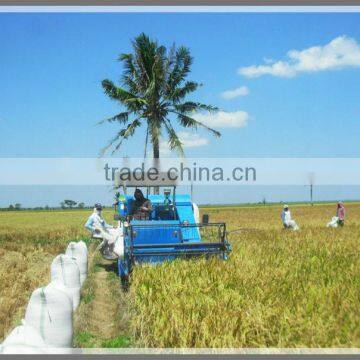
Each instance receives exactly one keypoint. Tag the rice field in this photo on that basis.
(278, 288)
(29, 241)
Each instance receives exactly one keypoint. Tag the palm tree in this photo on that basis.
(153, 92)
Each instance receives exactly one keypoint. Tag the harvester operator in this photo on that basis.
(141, 207)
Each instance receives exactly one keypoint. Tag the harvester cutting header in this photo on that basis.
(161, 225)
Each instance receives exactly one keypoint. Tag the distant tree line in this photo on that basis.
(70, 204)
(66, 204)
(16, 206)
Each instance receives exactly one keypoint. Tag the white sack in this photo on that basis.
(291, 224)
(119, 246)
(21, 349)
(333, 223)
(110, 235)
(115, 239)
(65, 275)
(49, 311)
(196, 213)
(72, 293)
(83, 246)
(24, 339)
(76, 252)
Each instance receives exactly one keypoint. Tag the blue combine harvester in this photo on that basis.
(171, 230)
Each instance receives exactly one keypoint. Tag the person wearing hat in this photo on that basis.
(339, 219)
(287, 221)
(96, 222)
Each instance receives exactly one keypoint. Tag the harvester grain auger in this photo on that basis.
(172, 229)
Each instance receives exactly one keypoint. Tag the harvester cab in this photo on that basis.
(171, 230)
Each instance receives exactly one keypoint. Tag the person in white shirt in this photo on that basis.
(287, 221)
(96, 222)
(112, 245)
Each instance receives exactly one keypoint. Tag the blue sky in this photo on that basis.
(51, 66)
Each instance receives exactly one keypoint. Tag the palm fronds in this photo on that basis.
(154, 85)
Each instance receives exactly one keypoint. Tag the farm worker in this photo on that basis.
(339, 219)
(287, 221)
(141, 207)
(340, 213)
(96, 222)
(100, 229)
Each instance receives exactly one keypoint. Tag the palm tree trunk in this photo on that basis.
(156, 150)
(156, 153)
(146, 141)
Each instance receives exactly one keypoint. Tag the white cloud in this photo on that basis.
(219, 119)
(232, 94)
(189, 140)
(339, 53)
(223, 119)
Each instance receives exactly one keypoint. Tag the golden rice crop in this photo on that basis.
(29, 241)
(278, 288)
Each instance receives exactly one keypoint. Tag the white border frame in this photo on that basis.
(176, 9)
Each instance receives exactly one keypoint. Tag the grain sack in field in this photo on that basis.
(114, 238)
(24, 339)
(65, 275)
(119, 247)
(50, 311)
(196, 213)
(82, 245)
(77, 252)
(21, 349)
(333, 223)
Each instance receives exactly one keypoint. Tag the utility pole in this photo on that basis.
(311, 184)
